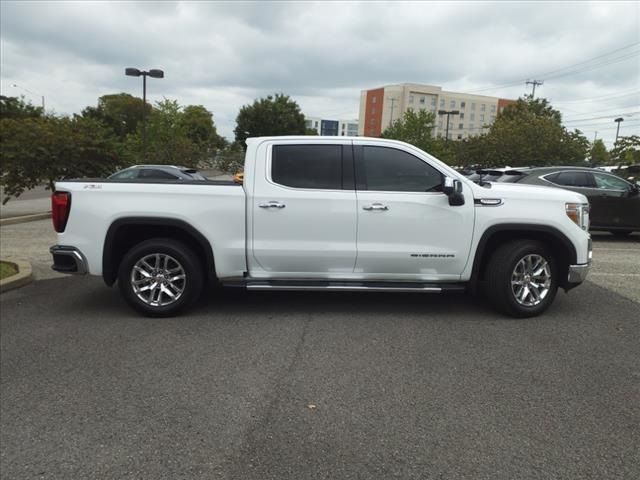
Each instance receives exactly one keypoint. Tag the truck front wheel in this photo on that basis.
(160, 277)
(521, 278)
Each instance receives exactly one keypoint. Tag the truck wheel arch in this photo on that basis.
(562, 248)
(124, 233)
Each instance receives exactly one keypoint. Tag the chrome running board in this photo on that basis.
(359, 286)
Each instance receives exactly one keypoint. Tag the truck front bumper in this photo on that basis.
(68, 260)
(578, 274)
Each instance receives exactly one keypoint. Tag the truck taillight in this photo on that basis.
(60, 207)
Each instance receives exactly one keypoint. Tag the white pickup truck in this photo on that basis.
(325, 213)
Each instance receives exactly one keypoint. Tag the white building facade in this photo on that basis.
(340, 128)
(379, 107)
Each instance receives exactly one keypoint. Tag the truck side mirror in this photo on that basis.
(452, 188)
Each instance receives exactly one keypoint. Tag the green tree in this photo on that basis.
(626, 151)
(175, 136)
(199, 126)
(599, 154)
(279, 115)
(528, 132)
(41, 150)
(120, 112)
(231, 158)
(414, 127)
(14, 107)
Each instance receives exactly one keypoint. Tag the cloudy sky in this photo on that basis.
(225, 54)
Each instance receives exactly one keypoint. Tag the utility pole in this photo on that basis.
(534, 83)
(448, 113)
(393, 101)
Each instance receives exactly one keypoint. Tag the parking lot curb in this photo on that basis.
(20, 279)
(24, 218)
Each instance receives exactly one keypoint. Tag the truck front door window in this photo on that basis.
(392, 170)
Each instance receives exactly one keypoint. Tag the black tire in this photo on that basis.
(178, 256)
(498, 278)
(621, 233)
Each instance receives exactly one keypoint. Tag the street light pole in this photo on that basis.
(448, 113)
(154, 73)
(618, 120)
(33, 93)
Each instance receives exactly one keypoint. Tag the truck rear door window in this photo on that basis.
(307, 166)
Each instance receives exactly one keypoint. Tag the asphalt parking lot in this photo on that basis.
(295, 385)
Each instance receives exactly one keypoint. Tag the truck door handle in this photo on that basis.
(375, 206)
(272, 205)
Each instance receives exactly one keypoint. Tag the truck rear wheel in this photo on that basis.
(521, 278)
(160, 277)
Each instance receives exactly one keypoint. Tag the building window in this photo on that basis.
(410, 98)
(316, 124)
(472, 127)
(483, 107)
(472, 117)
(461, 115)
(373, 121)
(463, 104)
(373, 99)
(433, 101)
(452, 104)
(460, 126)
(473, 106)
(493, 109)
(422, 99)
(459, 136)
(442, 103)
(373, 110)
(482, 117)
(493, 118)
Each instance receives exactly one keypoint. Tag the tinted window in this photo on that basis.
(307, 166)
(124, 174)
(157, 174)
(610, 182)
(572, 179)
(392, 170)
(510, 177)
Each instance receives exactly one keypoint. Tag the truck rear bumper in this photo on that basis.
(68, 260)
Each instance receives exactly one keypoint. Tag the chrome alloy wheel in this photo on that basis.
(158, 279)
(531, 280)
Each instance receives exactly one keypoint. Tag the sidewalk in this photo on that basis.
(18, 207)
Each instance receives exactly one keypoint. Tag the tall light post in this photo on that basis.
(618, 120)
(15, 85)
(153, 73)
(448, 113)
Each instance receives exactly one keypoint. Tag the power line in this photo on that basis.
(549, 73)
(602, 116)
(610, 96)
(614, 109)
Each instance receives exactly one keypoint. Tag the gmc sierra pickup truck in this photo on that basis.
(325, 213)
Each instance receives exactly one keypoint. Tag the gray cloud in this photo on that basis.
(223, 55)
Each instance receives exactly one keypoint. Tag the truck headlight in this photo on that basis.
(579, 214)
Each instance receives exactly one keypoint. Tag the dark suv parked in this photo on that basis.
(615, 202)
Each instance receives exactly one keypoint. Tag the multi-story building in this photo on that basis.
(379, 107)
(340, 128)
